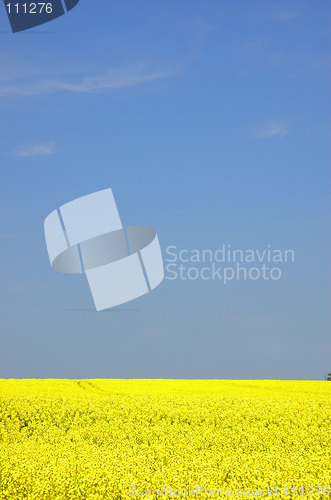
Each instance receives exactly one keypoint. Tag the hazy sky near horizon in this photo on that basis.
(210, 121)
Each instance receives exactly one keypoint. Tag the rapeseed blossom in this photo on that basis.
(96, 439)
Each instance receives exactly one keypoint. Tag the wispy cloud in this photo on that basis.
(42, 149)
(274, 129)
(112, 78)
(283, 15)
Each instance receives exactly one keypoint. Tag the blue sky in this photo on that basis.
(210, 121)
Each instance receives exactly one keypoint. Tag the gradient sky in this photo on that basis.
(210, 121)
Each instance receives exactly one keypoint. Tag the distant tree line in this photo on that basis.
(328, 377)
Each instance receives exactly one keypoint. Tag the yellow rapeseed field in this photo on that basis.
(120, 439)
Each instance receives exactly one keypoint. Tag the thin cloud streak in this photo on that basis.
(283, 15)
(113, 78)
(274, 130)
(36, 150)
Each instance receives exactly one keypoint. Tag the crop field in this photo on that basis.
(121, 439)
